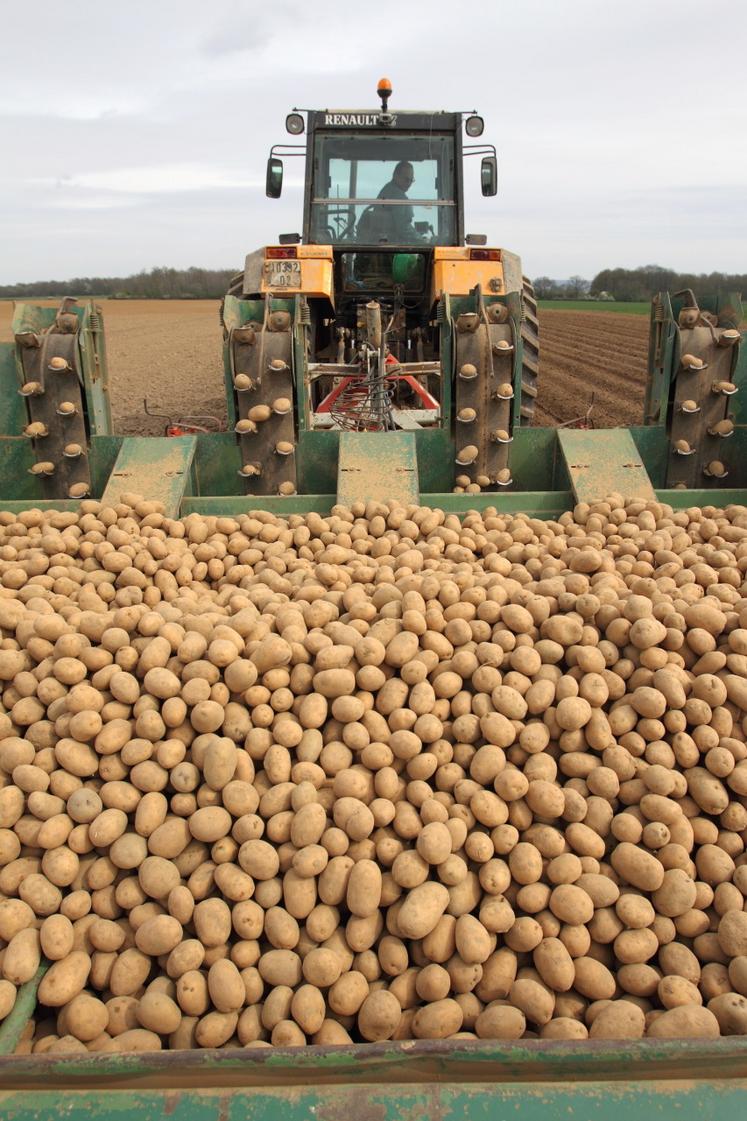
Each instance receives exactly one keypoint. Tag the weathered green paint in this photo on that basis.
(536, 462)
(13, 415)
(92, 349)
(377, 465)
(102, 455)
(224, 506)
(603, 462)
(156, 467)
(424, 1080)
(597, 1101)
(216, 464)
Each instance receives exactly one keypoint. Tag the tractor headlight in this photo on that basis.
(294, 124)
(474, 125)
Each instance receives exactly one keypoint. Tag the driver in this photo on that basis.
(400, 217)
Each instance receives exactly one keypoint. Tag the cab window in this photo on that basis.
(351, 173)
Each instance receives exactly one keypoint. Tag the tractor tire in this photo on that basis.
(531, 350)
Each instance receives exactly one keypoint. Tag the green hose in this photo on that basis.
(12, 1026)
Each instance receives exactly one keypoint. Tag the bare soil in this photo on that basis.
(170, 353)
(589, 352)
(166, 351)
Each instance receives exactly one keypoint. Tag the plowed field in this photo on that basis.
(588, 352)
(170, 352)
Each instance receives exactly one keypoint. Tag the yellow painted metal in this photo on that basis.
(316, 273)
(455, 274)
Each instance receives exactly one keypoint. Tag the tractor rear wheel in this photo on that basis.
(530, 362)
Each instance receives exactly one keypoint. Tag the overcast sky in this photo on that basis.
(135, 134)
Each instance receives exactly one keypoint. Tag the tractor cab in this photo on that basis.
(383, 190)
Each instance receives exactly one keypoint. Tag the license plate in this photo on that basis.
(283, 274)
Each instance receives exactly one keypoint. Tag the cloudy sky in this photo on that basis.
(136, 134)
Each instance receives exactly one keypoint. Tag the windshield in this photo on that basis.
(383, 190)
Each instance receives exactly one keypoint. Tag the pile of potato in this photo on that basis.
(380, 775)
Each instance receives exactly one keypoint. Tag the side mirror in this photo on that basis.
(274, 182)
(489, 175)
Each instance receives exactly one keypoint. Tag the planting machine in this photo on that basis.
(383, 353)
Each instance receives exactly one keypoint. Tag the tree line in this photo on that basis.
(204, 284)
(638, 284)
(155, 284)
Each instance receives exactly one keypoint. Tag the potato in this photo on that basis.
(379, 1016)
(22, 956)
(687, 1021)
(620, 1019)
(64, 979)
(8, 993)
(421, 909)
(277, 779)
(500, 1021)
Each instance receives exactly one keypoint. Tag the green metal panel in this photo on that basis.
(216, 464)
(92, 348)
(16, 459)
(548, 504)
(604, 462)
(316, 456)
(536, 463)
(702, 1080)
(157, 467)
(377, 465)
(244, 504)
(13, 415)
(102, 455)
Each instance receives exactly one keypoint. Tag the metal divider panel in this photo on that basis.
(60, 410)
(695, 442)
(265, 406)
(483, 413)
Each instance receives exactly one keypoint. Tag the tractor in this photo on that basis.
(382, 315)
